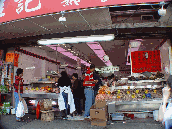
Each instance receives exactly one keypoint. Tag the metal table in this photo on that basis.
(125, 106)
(41, 95)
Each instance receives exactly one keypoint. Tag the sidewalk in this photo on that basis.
(8, 122)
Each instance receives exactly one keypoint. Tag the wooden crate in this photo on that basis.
(46, 104)
(47, 115)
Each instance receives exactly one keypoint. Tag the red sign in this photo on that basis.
(146, 61)
(17, 9)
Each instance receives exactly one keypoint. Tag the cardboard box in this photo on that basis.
(47, 115)
(100, 104)
(98, 113)
(98, 122)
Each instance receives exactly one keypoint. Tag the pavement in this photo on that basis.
(30, 122)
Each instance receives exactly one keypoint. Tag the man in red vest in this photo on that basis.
(89, 83)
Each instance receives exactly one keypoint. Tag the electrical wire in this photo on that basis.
(131, 15)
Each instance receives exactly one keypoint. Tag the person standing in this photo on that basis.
(98, 84)
(89, 83)
(77, 94)
(65, 97)
(83, 94)
(167, 110)
(18, 86)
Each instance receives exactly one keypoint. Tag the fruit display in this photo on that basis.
(46, 89)
(104, 94)
(137, 94)
(128, 94)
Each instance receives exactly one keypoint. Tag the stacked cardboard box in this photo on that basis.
(99, 114)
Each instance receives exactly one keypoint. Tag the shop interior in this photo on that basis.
(106, 37)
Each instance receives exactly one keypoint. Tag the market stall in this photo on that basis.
(136, 94)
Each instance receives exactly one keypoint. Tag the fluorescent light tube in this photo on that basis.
(78, 39)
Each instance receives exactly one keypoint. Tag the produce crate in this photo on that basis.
(46, 104)
(98, 113)
(101, 104)
(47, 115)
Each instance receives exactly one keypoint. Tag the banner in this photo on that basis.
(146, 61)
(18, 9)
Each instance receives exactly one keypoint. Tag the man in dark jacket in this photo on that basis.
(98, 84)
(77, 93)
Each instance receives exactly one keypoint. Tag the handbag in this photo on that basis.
(20, 110)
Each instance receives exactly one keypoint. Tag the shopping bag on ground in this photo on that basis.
(20, 110)
(25, 105)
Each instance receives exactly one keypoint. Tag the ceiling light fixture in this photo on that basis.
(62, 18)
(77, 39)
(162, 11)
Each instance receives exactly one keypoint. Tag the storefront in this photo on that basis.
(113, 54)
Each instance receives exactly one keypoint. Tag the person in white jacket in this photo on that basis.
(65, 99)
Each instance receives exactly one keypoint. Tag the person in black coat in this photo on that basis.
(64, 80)
(77, 93)
(98, 84)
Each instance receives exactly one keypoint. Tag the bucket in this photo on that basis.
(155, 115)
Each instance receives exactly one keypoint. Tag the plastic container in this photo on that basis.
(155, 115)
(141, 115)
(13, 111)
(117, 116)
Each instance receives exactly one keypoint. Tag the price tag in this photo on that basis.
(118, 97)
(155, 91)
(118, 91)
(146, 91)
(137, 91)
(37, 88)
(128, 92)
(144, 96)
(133, 96)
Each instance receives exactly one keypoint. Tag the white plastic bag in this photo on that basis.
(20, 110)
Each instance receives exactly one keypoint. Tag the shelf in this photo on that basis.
(49, 82)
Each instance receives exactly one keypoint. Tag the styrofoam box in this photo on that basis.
(141, 115)
(117, 116)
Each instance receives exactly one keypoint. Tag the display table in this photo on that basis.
(40, 95)
(134, 106)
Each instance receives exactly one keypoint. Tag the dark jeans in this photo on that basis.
(168, 124)
(65, 96)
(78, 107)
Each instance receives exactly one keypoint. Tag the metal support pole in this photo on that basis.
(131, 60)
(56, 59)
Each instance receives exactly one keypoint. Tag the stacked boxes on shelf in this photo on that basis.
(99, 114)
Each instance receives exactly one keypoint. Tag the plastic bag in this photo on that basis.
(25, 106)
(20, 110)
(168, 112)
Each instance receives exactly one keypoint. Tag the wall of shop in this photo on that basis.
(165, 61)
(34, 67)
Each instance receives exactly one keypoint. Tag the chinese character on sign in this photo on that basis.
(2, 8)
(21, 6)
(104, 0)
(69, 2)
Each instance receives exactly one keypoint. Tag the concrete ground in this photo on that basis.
(9, 122)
